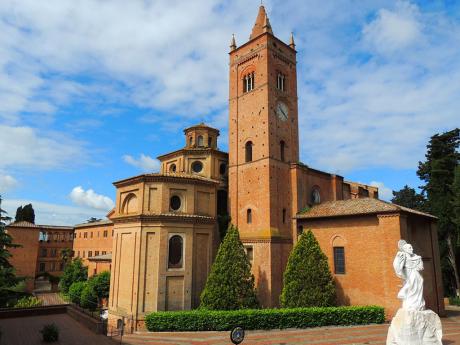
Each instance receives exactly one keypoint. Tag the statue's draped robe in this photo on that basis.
(412, 291)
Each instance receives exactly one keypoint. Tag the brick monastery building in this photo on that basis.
(162, 235)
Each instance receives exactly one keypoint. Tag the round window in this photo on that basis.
(172, 168)
(197, 166)
(175, 203)
(223, 168)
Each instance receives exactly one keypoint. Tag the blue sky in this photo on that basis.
(92, 91)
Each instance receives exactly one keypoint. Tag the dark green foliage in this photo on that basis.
(454, 301)
(456, 201)
(50, 333)
(438, 172)
(230, 284)
(101, 284)
(408, 197)
(73, 272)
(307, 279)
(212, 320)
(88, 297)
(75, 291)
(25, 213)
(8, 279)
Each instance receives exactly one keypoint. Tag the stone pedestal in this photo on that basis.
(411, 327)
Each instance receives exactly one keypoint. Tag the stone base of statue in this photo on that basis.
(411, 327)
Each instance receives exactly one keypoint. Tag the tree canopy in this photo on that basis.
(25, 213)
(308, 282)
(230, 284)
(8, 279)
(75, 271)
(438, 172)
(408, 197)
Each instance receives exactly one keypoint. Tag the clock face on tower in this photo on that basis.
(282, 111)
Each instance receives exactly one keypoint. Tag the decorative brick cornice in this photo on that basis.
(175, 178)
(266, 240)
(166, 217)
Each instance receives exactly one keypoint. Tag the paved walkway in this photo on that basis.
(50, 298)
(354, 335)
(26, 331)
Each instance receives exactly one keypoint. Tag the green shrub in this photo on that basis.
(101, 284)
(308, 281)
(75, 292)
(219, 320)
(454, 300)
(230, 284)
(88, 297)
(73, 272)
(28, 302)
(50, 333)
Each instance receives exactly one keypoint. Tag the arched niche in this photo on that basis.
(130, 204)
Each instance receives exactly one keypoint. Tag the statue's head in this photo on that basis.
(408, 248)
(405, 247)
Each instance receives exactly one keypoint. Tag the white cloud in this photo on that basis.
(395, 29)
(385, 193)
(53, 214)
(144, 162)
(362, 109)
(89, 198)
(7, 182)
(375, 80)
(23, 146)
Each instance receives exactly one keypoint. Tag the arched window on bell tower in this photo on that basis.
(248, 151)
(281, 81)
(248, 82)
(200, 141)
(282, 147)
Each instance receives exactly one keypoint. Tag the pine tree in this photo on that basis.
(438, 173)
(230, 284)
(408, 197)
(308, 281)
(8, 278)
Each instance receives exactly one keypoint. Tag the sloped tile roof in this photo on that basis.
(23, 224)
(352, 207)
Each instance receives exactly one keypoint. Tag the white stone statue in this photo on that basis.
(412, 324)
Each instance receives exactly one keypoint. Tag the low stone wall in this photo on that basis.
(97, 326)
(10, 313)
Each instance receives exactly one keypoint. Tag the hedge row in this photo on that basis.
(206, 320)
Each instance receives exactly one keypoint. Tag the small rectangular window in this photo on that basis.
(96, 253)
(85, 235)
(103, 252)
(90, 253)
(105, 233)
(249, 216)
(249, 253)
(42, 267)
(339, 260)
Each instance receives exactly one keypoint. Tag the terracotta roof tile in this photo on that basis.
(23, 224)
(355, 207)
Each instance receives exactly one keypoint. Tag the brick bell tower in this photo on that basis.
(263, 142)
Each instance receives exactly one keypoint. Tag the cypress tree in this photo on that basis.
(308, 281)
(230, 284)
(438, 172)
